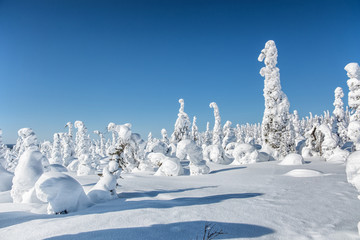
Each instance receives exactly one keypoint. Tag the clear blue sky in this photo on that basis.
(130, 61)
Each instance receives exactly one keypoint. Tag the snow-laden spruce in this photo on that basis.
(182, 125)
(339, 121)
(353, 72)
(195, 131)
(82, 150)
(275, 124)
(187, 149)
(101, 150)
(5, 176)
(56, 157)
(62, 193)
(28, 170)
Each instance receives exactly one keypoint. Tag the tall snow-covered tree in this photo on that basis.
(82, 150)
(194, 131)
(207, 135)
(276, 115)
(229, 134)
(353, 72)
(101, 148)
(182, 125)
(339, 123)
(217, 133)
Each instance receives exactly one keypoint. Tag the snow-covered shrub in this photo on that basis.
(187, 148)
(156, 159)
(329, 143)
(353, 72)
(215, 153)
(62, 193)
(28, 170)
(245, 153)
(56, 157)
(182, 125)
(292, 159)
(170, 167)
(3, 161)
(46, 149)
(275, 129)
(164, 135)
(105, 188)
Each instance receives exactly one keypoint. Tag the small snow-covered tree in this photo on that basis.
(276, 114)
(339, 123)
(82, 150)
(182, 125)
(3, 162)
(229, 134)
(207, 135)
(217, 135)
(353, 72)
(101, 148)
(164, 135)
(56, 157)
(194, 131)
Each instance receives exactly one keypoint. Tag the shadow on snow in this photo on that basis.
(180, 230)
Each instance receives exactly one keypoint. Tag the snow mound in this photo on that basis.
(292, 159)
(73, 166)
(105, 188)
(62, 193)
(303, 173)
(353, 169)
(5, 179)
(57, 168)
(170, 167)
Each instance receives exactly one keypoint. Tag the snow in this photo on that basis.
(62, 193)
(254, 201)
(245, 153)
(105, 188)
(292, 159)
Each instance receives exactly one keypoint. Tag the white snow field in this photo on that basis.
(254, 201)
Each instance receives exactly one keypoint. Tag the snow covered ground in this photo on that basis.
(252, 201)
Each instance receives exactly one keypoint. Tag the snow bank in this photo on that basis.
(105, 188)
(353, 169)
(27, 172)
(5, 179)
(170, 167)
(292, 159)
(303, 173)
(62, 193)
(245, 153)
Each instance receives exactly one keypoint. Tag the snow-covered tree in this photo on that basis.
(339, 123)
(353, 72)
(56, 157)
(82, 150)
(101, 148)
(229, 134)
(217, 135)
(164, 135)
(276, 114)
(194, 131)
(28, 170)
(67, 149)
(182, 125)
(207, 136)
(3, 162)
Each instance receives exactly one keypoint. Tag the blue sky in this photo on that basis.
(130, 61)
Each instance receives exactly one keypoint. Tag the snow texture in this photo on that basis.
(105, 188)
(292, 159)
